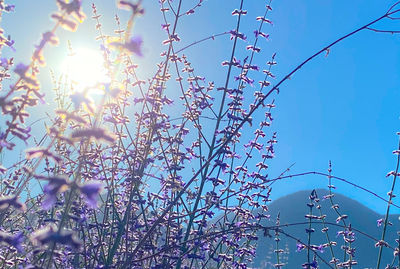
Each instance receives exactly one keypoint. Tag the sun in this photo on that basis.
(85, 68)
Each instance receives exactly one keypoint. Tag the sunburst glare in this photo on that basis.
(85, 68)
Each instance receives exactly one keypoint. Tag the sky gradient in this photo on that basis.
(342, 107)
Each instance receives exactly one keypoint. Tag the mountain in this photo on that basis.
(293, 208)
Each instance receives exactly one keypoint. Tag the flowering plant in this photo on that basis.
(167, 171)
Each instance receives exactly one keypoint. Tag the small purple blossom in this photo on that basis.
(300, 247)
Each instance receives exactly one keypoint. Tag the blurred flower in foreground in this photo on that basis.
(65, 23)
(80, 98)
(42, 153)
(97, 133)
(50, 234)
(73, 8)
(8, 201)
(7, 41)
(134, 45)
(12, 240)
(56, 185)
(22, 70)
(91, 190)
(6, 7)
(3, 170)
(136, 8)
(48, 37)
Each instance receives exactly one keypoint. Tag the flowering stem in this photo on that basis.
(212, 146)
(388, 209)
(236, 130)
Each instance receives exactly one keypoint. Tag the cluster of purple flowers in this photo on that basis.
(141, 179)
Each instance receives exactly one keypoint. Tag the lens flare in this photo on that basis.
(85, 68)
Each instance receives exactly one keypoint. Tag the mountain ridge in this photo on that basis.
(292, 208)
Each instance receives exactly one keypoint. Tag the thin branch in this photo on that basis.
(383, 31)
(201, 40)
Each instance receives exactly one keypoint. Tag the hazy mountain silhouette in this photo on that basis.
(293, 208)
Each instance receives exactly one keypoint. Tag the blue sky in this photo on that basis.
(343, 107)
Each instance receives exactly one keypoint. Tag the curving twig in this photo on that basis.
(201, 40)
(383, 31)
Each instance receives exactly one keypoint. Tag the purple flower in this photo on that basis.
(71, 116)
(3, 170)
(136, 8)
(235, 34)
(72, 7)
(22, 70)
(50, 234)
(9, 43)
(12, 240)
(134, 45)
(6, 8)
(96, 133)
(221, 164)
(91, 190)
(4, 62)
(379, 222)
(264, 20)
(314, 264)
(56, 185)
(80, 98)
(65, 23)
(8, 201)
(42, 153)
(257, 33)
(47, 37)
(300, 247)
(239, 12)
(4, 143)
